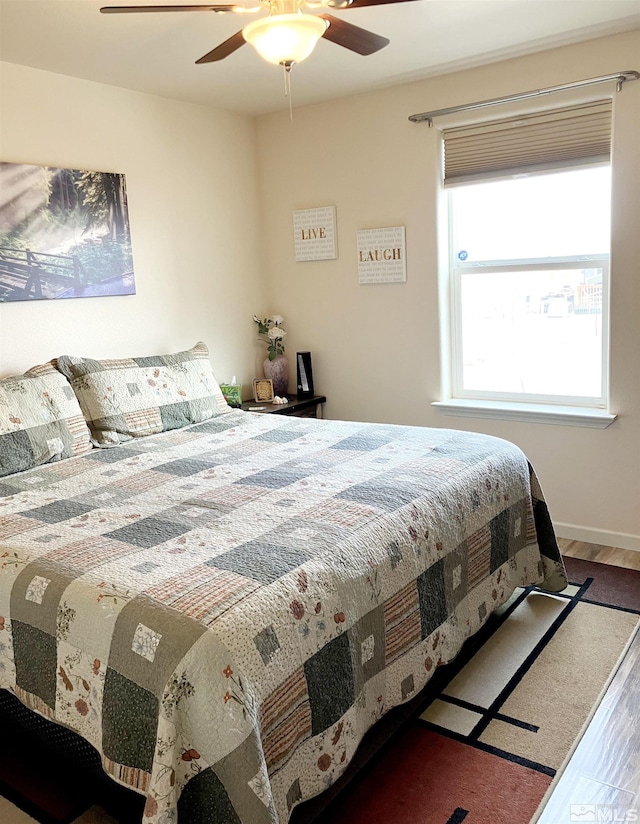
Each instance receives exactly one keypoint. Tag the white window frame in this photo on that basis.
(557, 264)
(565, 410)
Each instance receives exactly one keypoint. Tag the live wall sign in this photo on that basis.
(314, 233)
(382, 255)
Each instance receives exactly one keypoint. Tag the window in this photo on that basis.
(530, 278)
(529, 269)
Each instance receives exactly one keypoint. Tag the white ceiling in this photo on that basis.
(156, 53)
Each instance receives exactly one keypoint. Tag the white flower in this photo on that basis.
(271, 332)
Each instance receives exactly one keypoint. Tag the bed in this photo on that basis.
(224, 605)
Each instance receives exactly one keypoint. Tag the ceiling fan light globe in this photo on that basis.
(285, 38)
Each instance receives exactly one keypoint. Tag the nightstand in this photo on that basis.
(298, 407)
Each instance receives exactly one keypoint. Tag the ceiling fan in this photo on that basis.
(287, 35)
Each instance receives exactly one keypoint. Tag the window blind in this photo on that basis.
(578, 135)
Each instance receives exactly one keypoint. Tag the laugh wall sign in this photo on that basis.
(382, 255)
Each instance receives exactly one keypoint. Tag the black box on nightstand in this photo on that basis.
(305, 375)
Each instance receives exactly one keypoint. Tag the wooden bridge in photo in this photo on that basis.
(29, 275)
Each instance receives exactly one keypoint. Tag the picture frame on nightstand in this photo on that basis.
(263, 390)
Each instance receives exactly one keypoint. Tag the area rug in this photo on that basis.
(483, 744)
(494, 733)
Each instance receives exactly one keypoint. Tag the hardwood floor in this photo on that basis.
(601, 781)
(627, 558)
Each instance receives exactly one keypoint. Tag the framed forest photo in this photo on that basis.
(64, 233)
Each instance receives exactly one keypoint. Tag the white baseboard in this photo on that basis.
(622, 540)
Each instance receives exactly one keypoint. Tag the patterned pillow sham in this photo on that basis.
(40, 420)
(134, 397)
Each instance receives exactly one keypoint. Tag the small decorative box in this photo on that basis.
(232, 393)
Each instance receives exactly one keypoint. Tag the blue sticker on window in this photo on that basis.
(463, 255)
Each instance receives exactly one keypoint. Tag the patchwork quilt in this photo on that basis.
(224, 610)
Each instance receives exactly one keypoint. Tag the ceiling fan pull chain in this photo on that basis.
(287, 87)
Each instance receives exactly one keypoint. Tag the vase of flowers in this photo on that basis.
(276, 365)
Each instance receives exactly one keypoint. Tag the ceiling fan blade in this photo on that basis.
(135, 9)
(224, 49)
(348, 4)
(352, 37)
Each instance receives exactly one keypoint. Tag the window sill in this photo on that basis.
(527, 412)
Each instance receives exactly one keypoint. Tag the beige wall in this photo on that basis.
(193, 208)
(194, 178)
(376, 348)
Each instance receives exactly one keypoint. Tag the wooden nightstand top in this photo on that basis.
(296, 406)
